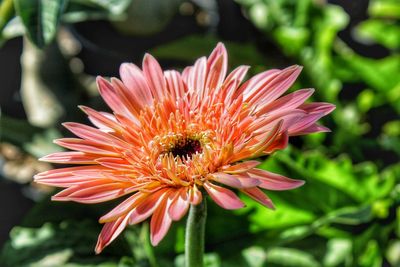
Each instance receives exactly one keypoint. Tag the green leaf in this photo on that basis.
(290, 257)
(40, 18)
(338, 252)
(112, 6)
(384, 8)
(383, 32)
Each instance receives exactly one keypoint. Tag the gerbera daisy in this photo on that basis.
(170, 135)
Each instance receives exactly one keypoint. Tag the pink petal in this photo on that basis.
(273, 181)
(65, 177)
(259, 196)
(304, 123)
(273, 86)
(197, 76)
(154, 76)
(134, 80)
(217, 65)
(102, 120)
(70, 158)
(318, 107)
(160, 221)
(175, 84)
(315, 128)
(96, 191)
(223, 197)
(279, 143)
(87, 146)
(241, 167)
(116, 98)
(89, 133)
(226, 179)
(287, 102)
(109, 232)
(194, 195)
(118, 164)
(179, 205)
(123, 208)
(237, 74)
(146, 208)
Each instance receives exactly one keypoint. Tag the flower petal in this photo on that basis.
(96, 191)
(241, 167)
(273, 181)
(70, 158)
(223, 197)
(259, 196)
(109, 232)
(179, 205)
(134, 80)
(160, 221)
(154, 76)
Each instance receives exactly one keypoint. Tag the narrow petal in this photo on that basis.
(123, 208)
(96, 191)
(175, 84)
(179, 205)
(217, 65)
(259, 196)
(109, 232)
(134, 80)
(241, 167)
(146, 208)
(115, 98)
(287, 102)
(160, 221)
(318, 107)
(87, 146)
(102, 120)
(154, 76)
(223, 197)
(226, 179)
(273, 181)
(194, 195)
(89, 133)
(70, 158)
(65, 177)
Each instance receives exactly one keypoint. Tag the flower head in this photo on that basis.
(170, 135)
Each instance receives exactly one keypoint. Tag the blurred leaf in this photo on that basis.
(210, 260)
(16, 131)
(338, 252)
(145, 17)
(371, 257)
(6, 14)
(255, 256)
(290, 257)
(64, 244)
(384, 8)
(40, 18)
(42, 144)
(393, 253)
(382, 32)
(112, 6)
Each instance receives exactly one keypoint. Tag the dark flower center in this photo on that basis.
(186, 147)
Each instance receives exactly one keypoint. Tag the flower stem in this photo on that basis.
(194, 241)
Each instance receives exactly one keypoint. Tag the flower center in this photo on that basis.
(185, 147)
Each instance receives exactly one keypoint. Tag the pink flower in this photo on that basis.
(173, 134)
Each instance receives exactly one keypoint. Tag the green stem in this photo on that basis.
(194, 242)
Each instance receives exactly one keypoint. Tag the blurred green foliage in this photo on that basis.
(347, 214)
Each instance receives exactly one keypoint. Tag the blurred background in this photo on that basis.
(347, 214)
